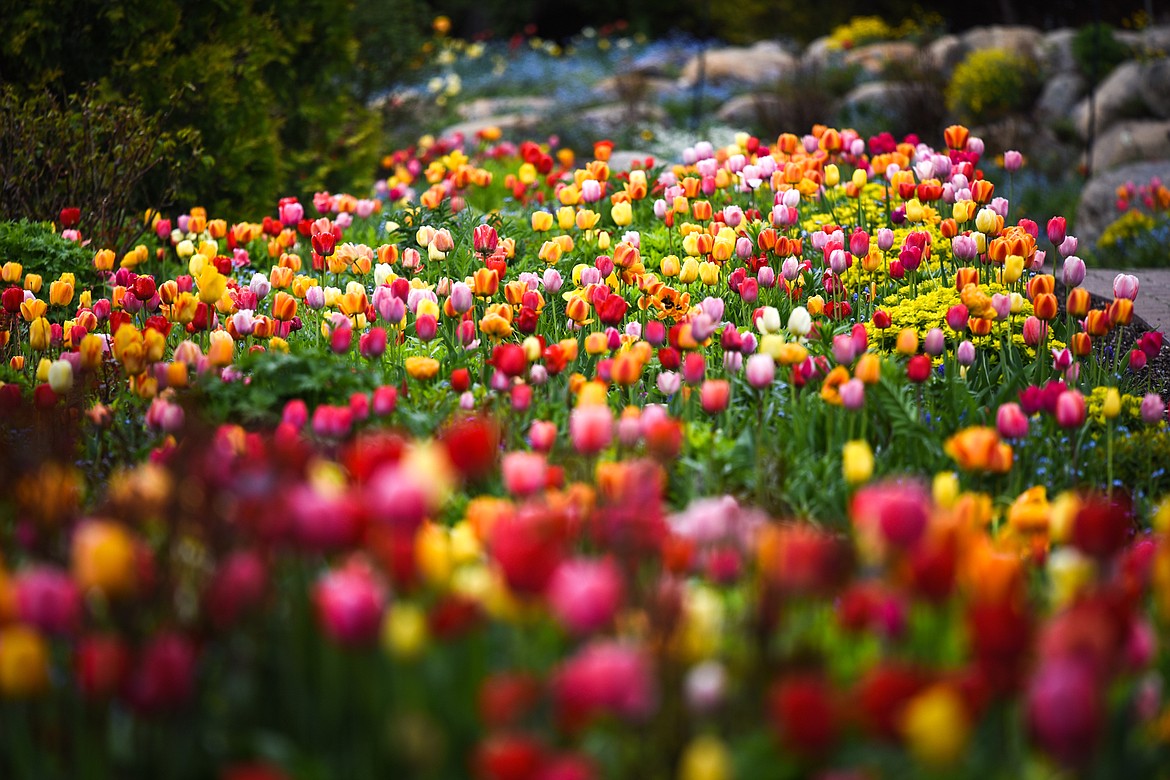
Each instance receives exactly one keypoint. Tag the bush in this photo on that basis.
(42, 250)
(1097, 42)
(991, 84)
(275, 92)
(106, 157)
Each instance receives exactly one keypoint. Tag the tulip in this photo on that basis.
(857, 461)
(101, 664)
(918, 368)
(1070, 409)
(1153, 409)
(1011, 422)
(524, 473)
(484, 239)
(61, 376)
(937, 726)
(799, 322)
(760, 370)
(804, 713)
(1057, 227)
(349, 603)
(1074, 271)
(104, 558)
(385, 399)
(1035, 331)
(605, 677)
(47, 599)
(1064, 709)
(24, 662)
(714, 395)
(591, 428)
(584, 594)
(935, 342)
(1125, 286)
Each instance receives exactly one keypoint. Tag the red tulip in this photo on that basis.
(163, 678)
(101, 663)
(804, 714)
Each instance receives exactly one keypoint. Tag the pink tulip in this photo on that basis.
(714, 395)
(761, 370)
(525, 473)
(852, 394)
(350, 602)
(1070, 409)
(591, 429)
(1011, 422)
(1125, 286)
(584, 594)
(605, 678)
(542, 435)
(1153, 409)
(1073, 272)
(48, 599)
(1035, 331)
(1064, 709)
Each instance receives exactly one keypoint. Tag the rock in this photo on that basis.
(1097, 207)
(875, 57)
(762, 63)
(624, 160)
(1060, 96)
(1056, 54)
(877, 94)
(1024, 40)
(944, 53)
(1118, 96)
(820, 52)
(1155, 41)
(1124, 142)
(751, 109)
(635, 86)
(608, 118)
(484, 108)
(891, 105)
(469, 127)
(1155, 87)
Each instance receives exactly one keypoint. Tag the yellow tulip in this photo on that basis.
(857, 462)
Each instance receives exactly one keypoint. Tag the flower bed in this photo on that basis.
(779, 459)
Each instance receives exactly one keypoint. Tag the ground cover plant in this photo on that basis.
(791, 457)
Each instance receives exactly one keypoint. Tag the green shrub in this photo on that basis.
(991, 84)
(1098, 41)
(41, 250)
(104, 156)
(274, 92)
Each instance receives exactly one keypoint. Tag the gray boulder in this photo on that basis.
(1056, 51)
(750, 109)
(1155, 87)
(1023, 40)
(944, 53)
(1117, 97)
(874, 57)
(1059, 96)
(1133, 141)
(762, 63)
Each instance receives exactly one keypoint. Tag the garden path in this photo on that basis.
(1153, 301)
